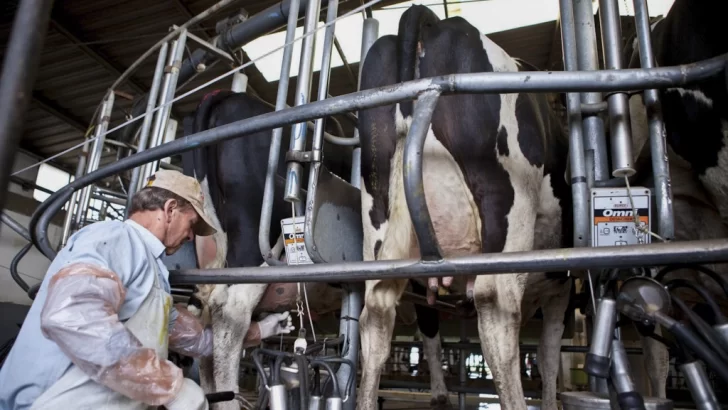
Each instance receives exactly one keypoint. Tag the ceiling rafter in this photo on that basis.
(59, 112)
(60, 24)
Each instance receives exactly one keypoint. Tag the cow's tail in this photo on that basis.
(408, 38)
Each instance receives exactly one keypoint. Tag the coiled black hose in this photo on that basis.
(700, 290)
(709, 272)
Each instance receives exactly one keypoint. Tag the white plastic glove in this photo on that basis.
(275, 324)
(190, 397)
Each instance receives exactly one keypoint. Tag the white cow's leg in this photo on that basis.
(498, 302)
(231, 309)
(656, 359)
(433, 353)
(207, 378)
(549, 348)
(376, 325)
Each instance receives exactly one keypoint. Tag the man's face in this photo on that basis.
(179, 226)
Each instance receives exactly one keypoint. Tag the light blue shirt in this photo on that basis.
(34, 362)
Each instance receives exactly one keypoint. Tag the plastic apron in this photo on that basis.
(76, 390)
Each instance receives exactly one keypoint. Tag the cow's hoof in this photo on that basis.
(440, 403)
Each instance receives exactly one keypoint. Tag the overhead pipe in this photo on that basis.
(266, 21)
(20, 66)
(502, 82)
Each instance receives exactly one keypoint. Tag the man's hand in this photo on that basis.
(275, 324)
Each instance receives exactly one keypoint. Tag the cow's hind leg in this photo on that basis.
(498, 298)
(231, 308)
(656, 360)
(549, 348)
(428, 321)
(376, 325)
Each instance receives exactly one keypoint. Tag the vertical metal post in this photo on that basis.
(658, 143)
(619, 123)
(324, 74)
(579, 187)
(370, 33)
(97, 150)
(292, 191)
(160, 124)
(352, 301)
(73, 208)
(144, 136)
(240, 82)
(266, 210)
(587, 60)
(462, 368)
(19, 69)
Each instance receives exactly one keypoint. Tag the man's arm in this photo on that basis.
(80, 315)
(187, 335)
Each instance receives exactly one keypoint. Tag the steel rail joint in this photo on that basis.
(537, 81)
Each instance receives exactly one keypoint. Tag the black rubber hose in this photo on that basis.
(332, 375)
(276, 371)
(352, 374)
(220, 396)
(303, 380)
(711, 273)
(700, 290)
(34, 290)
(259, 365)
(14, 267)
(708, 333)
(701, 350)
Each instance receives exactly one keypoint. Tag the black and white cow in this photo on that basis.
(696, 128)
(232, 175)
(494, 169)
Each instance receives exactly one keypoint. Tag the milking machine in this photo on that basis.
(301, 379)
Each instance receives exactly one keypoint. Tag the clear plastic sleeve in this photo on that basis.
(81, 316)
(188, 336)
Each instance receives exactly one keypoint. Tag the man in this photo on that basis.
(98, 333)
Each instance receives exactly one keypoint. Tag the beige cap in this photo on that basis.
(189, 189)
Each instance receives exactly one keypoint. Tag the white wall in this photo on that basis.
(32, 267)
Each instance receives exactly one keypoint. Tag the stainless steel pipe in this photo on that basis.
(292, 192)
(96, 152)
(587, 60)
(579, 187)
(414, 184)
(502, 82)
(658, 142)
(144, 136)
(266, 209)
(619, 122)
(659, 254)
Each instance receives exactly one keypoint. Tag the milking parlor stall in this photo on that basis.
(462, 204)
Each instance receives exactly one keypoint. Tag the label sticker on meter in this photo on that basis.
(296, 253)
(614, 218)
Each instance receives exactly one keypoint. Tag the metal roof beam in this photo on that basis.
(58, 22)
(59, 112)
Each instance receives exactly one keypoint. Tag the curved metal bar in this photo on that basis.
(551, 260)
(14, 267)
(414, 187)
(524, 81)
